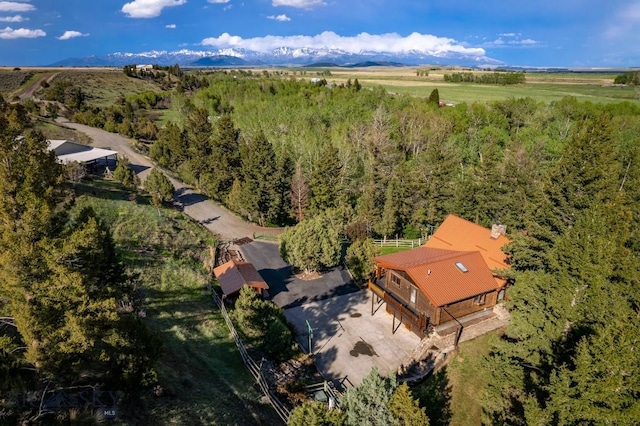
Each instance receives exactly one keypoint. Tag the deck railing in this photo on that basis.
(420, 322)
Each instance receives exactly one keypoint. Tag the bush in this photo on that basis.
(263, 324)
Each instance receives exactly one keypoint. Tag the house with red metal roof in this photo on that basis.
(456, 273)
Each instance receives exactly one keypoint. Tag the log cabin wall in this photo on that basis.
(466, 307)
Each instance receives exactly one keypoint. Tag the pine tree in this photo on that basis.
(311, 245)
(225, 157)
(434, 97)
(125, 174)
(406, 409)
(259, 175)
(315, 414)
(160, 188)
(368, 404)
(199, 132)
(325, 179)
(279, 210)
(360, 256)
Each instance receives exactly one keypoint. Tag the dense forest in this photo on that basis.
(69, 311)
(564, 177)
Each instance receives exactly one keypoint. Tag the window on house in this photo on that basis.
(461, 266)
(480, 299)
(395, 279)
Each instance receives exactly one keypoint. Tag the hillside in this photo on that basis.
(201, 378)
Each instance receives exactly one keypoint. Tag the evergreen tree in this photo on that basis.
(160, 188)
(225, 157)
(259, 178)
(360, 256)
(406, 409)
(434, 97)
(125, 174)
(279, 211)
(325, 179)
(368, 404)
(199, 133)
(311, 245)
(315, 414)
(263, 324)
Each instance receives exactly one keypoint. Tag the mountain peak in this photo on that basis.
(280, 56)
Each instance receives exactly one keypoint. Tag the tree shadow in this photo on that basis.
(435, 395)
(183, 197)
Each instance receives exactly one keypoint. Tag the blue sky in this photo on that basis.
(573, 33)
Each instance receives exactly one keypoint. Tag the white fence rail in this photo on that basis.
(400, 242)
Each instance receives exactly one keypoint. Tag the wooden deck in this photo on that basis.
(419, 324)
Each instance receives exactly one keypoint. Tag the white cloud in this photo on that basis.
(12, 6)
(390, 42)
(171, 26)
(72, 34)
(148, 8)
(10, 33)
(625, 23)
(281, 18)
(218, 1)
(17, 18)
(302, 4)
(511, 42)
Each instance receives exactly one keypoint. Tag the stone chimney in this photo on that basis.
(497, 230)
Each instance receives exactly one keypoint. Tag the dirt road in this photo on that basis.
(28, 91)
(211, 215)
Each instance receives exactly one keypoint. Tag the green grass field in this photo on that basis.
(200, 372)
(545, 87)
(548, 92)
(453, 395)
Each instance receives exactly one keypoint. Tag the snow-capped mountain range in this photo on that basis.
(281, 56)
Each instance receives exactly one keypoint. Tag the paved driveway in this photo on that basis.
(285, 289)
(348, 341)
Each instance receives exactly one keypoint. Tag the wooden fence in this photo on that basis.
(252, 366)
(400, 243)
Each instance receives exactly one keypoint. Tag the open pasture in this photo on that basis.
(541, 86)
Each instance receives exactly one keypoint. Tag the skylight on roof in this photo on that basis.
(461, 266)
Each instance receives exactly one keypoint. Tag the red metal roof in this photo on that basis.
(456, 233)
(234, 274)
(435, 273)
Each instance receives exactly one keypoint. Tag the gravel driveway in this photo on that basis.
(211, 215)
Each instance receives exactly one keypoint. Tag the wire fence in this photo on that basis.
(253, 367)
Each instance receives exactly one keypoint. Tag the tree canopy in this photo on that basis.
(311, 245)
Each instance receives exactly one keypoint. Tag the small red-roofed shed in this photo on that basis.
(236, 274)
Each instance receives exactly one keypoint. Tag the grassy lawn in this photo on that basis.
(201, 377)
(390, 250)
(453, 396)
